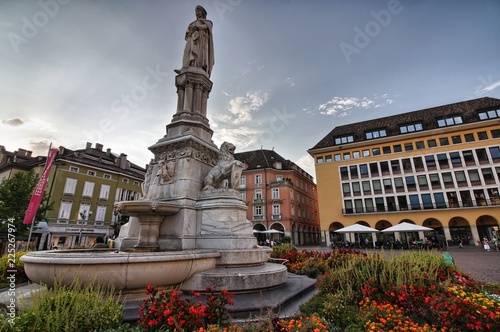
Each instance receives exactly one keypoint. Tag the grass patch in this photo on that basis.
(74, 307)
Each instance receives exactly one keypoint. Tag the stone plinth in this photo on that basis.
(222, 221)
(239, 278)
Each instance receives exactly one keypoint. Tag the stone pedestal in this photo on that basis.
(222, 221)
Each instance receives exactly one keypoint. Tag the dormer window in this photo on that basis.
(376, 134)
(491, 114)
(410, 128)
(450, 121)
(344, 140)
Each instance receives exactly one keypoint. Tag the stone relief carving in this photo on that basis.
(227, 168)
(191, 132)
(166, 171)
(197, 152)
(147, 180)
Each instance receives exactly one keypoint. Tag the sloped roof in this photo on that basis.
(101, 159)
(428, 117)
(90, 156)
(258, 159)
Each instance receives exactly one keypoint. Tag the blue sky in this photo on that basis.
(285, 74)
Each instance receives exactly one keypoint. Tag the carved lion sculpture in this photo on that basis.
(227, 168)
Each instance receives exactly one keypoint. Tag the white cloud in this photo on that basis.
(41, 133)
(243, 137)
(241, 108)
(490, 87)
(342, 106)
(306, 162)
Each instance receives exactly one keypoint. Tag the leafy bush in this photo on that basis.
(20, 275)
(282, 249)
(76, 307)
(124, 328)
(338, 308)
(286, 239)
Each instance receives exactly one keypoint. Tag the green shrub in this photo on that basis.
(314, 305)
(338, 310)
(124, 328)
(77, 307)
(286, 239)
(282, 249)
(5, 262)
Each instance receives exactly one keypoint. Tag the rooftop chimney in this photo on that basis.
(98, 146)
(122, 161)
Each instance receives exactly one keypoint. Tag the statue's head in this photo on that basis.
(202, 12)
(227, 148)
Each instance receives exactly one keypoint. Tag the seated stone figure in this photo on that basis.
(227, 168)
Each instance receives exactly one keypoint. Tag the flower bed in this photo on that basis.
(356, 292)
(409, 292)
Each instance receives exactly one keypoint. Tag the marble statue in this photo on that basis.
(227, 168)
(199, 50)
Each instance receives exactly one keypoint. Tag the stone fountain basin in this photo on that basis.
(123, 270)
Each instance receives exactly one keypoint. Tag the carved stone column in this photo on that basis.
(193, 88)
(188, 97)
(180, 99)
(204, 99)
(197, 98)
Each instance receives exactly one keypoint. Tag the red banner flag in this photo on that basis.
(39, 190)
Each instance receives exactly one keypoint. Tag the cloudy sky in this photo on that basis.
(286, 71)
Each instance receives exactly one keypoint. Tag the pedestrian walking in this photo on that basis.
(486, 244)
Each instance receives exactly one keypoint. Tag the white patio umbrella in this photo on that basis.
(357, 228)
(272, 231)
(406, 227)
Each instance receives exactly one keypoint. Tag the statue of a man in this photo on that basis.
(199, 50)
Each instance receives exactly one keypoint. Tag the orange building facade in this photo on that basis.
(437, 168)
(281, 198)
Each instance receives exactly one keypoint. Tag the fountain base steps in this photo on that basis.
(236, 279)
(282, 301)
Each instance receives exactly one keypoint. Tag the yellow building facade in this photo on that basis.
(438, 167)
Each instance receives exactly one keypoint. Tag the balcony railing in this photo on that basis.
(420, 207)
